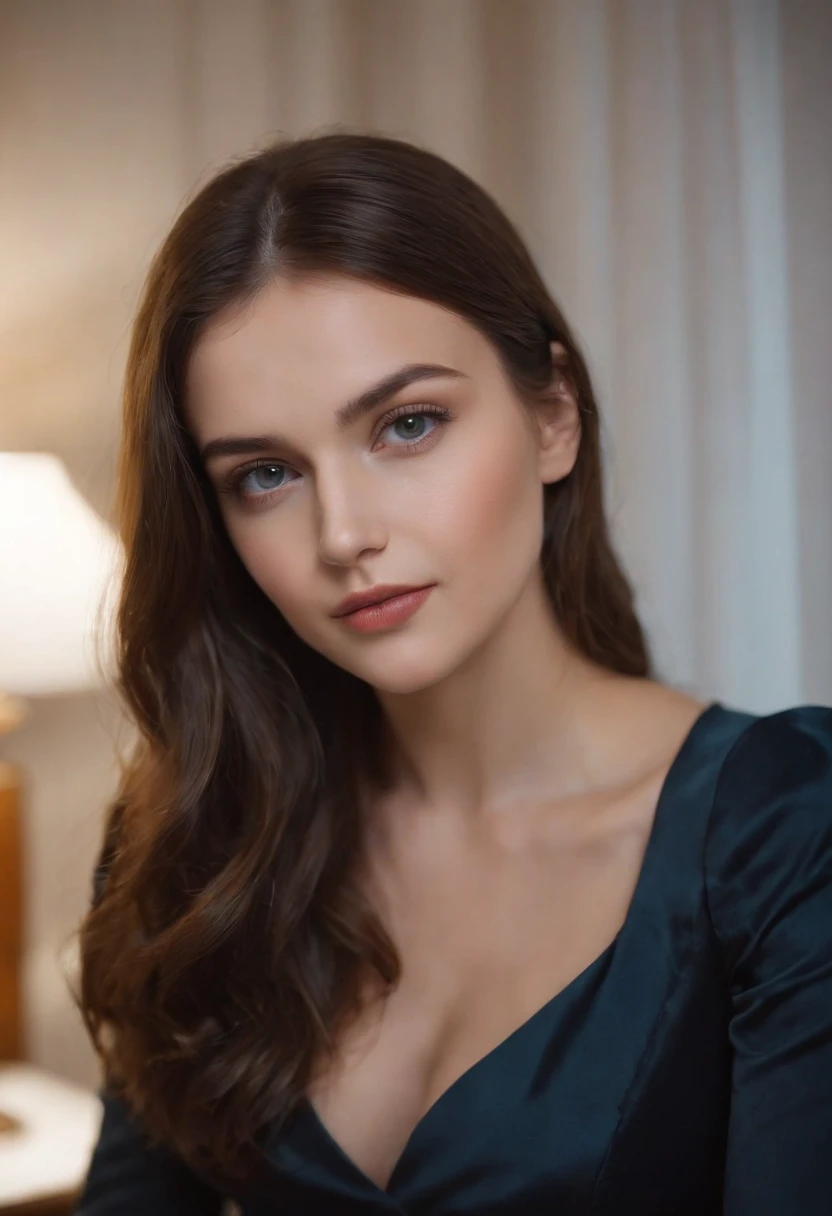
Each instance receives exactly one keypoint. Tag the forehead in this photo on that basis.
(319, 341)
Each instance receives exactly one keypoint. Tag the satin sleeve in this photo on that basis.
(768, 871)
(129, 1177)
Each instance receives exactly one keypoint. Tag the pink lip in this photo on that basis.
(388, 612)
(374, 595)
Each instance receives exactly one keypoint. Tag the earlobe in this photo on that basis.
(557, 459)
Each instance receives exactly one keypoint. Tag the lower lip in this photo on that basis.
(389, 612)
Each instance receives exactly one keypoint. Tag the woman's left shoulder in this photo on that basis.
(777, 753)
(768, 849)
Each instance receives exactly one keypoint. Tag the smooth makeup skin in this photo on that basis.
(490, 701)
(456, 502)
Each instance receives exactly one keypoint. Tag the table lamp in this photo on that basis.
(60, 569)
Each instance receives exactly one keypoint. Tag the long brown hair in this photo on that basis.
(222, 951)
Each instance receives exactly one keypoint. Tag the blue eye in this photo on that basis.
(263, 468)
(235, 482)
(418, 417)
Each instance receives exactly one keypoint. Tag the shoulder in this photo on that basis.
(768, 848)
(776, 777)
(791, 746)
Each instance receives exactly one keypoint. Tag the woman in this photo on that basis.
(447, 904)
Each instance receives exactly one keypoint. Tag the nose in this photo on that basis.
(350, 517)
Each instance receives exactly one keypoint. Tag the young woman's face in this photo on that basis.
(438, 482)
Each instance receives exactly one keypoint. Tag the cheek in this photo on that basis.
(475, 522)
(278, 571)
(495, 500)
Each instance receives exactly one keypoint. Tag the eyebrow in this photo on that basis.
(345, 415)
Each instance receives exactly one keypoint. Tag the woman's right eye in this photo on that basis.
(235, 484)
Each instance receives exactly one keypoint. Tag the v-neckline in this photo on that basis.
(465, 1077)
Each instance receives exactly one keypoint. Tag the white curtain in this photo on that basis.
(641, 145)
(670, 164)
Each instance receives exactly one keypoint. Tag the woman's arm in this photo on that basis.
(769, 881)
(128, 1177)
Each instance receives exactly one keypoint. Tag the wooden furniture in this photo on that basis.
(48, 1126)
(11, 915)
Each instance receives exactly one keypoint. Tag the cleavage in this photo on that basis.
(484, 949)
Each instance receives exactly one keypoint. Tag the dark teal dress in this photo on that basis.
(687, 1071)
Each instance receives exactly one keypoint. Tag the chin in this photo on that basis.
(400, 675)
(406, 685)
(399, 665)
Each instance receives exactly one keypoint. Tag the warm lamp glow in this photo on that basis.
(60, 570)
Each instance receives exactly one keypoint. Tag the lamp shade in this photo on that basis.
(60, 575)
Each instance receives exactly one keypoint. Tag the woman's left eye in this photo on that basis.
(407, 417)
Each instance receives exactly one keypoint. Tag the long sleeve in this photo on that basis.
(768, 867)
(127, 1177)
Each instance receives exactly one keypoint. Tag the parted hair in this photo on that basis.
(221, 954)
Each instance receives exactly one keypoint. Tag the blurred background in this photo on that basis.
(669, 163)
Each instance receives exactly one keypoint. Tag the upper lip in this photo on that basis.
(384, 591)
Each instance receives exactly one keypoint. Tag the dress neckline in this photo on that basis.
(665, 797)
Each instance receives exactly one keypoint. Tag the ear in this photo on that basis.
(559, 420)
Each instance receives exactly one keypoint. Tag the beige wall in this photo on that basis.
(66, 752)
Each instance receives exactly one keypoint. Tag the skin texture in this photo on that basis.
(505, 860)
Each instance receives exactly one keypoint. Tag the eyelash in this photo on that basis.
(233, 483)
